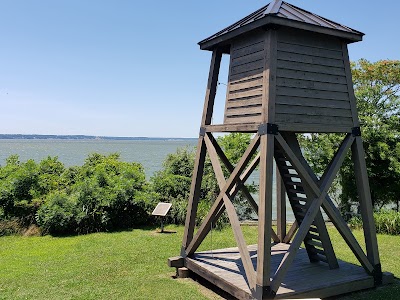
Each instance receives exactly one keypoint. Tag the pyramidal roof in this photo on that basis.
(282, 13)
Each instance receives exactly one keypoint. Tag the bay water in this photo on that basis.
(150, 153)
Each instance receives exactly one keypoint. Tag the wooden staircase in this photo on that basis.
(317, 241)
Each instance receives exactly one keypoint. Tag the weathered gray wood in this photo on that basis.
(245, 102)
(312, 102)
(246, 79)
(299, 66)
(299, 37)
(256, 118)
(304, 281)
(194, 195)
(233, 218)
(232, 128)
(176, 262)
(364, 194)
(313, 207)
(251, 83)
(309, 50)
(248, 50)
(265, 210)
(281, 207)
(307, 59)
(334, 215)
(311, 76)
(205, 226)
(356, 122)
(315, 94)
(312, 111)
(211, 87)
(269, 93)
(243, 111)
(309, 119)
(243, 94)
(251, 39)
(245, 75)
(299, 128)
(201, 149)
(266, 166)
(252, 57)
(242, 178)
(183, 272)
(291, 232)
(256, 65)
(310, 84)
(319, 220)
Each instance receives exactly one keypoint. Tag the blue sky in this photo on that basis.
(133, 68)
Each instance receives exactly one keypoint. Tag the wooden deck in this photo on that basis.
(224, 269)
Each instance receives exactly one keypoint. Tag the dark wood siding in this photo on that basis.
(311, 81)
(245, 83)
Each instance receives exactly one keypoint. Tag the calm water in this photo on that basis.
(150, 154)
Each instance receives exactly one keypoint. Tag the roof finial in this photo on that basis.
(273, 7)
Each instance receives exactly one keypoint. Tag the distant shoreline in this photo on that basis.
(85, 137)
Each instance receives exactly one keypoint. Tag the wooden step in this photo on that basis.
(313, 236)
(322, 258)
(314, 243)
(287, 167)
(291, 175)
(298, 190)
(294, 183)
(318, 251)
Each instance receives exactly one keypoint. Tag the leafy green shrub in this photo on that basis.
(103, 194)
(386, 222)
(58, 214)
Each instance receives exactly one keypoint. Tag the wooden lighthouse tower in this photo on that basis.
(289, 73)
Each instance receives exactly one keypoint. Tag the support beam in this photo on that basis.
(333, 214)
(265, 214)
(367, 213)
(201, 149)
(291, 232)
(281, 206)
(233, 218)
(205, 226)
(319, 220)
(194, 195)
(240, 185)
(211, 90)
(314, 206)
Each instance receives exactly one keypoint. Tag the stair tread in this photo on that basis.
(314, 243)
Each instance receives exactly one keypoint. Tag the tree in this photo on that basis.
(172, 183)
(376, 87)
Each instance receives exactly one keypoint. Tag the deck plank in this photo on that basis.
(224, 268)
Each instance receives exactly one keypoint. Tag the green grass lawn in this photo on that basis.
(133, 265)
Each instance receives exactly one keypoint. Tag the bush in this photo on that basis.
(58, 214)
(386, 222)
(103, 194)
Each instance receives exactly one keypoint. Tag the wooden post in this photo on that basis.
(265, 215)
(281, 207)
(201, 150)
(367, 213)
(267, 139)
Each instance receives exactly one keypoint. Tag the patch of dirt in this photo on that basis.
(32, 230)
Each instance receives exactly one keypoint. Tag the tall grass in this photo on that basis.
(387, 222)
